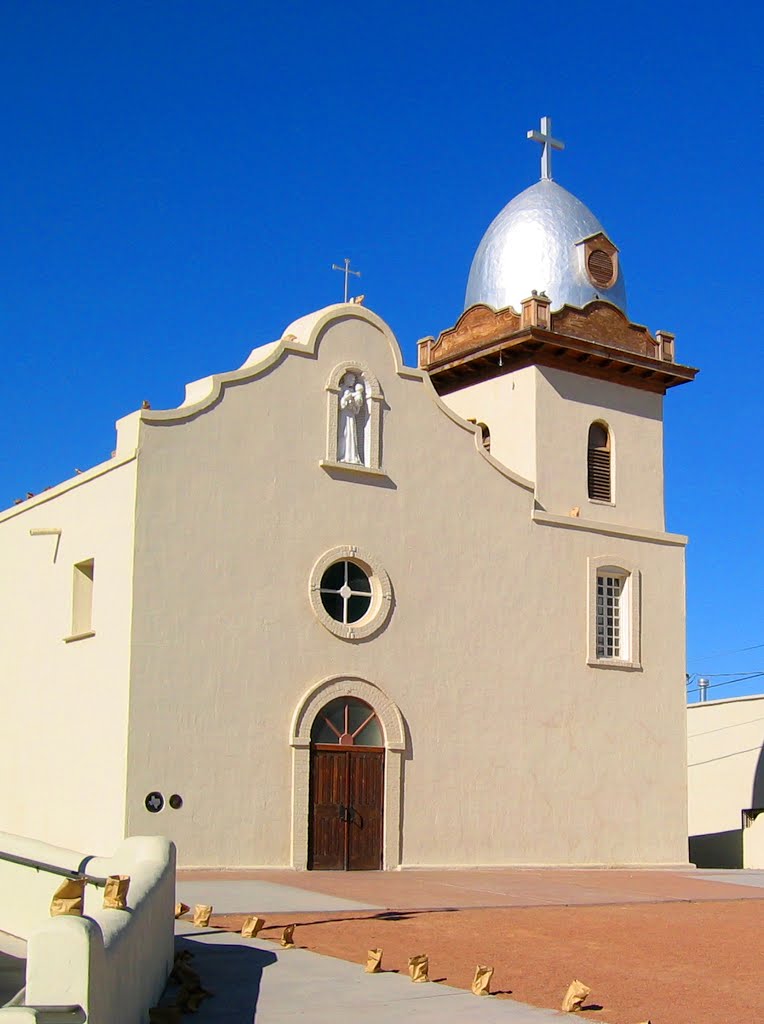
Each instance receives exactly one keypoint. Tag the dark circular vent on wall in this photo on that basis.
(601, 269)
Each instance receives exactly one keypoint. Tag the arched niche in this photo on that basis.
(354, 418)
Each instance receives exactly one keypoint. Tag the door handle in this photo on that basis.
(342, 812)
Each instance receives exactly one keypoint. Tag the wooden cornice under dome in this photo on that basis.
(597, 340)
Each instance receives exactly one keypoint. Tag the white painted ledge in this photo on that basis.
(610, 529)
(79, 636)
(350, 467)
(614, 663)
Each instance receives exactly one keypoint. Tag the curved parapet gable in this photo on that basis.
(302, 337)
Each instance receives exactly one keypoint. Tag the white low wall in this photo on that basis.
(28, 1015)
(112, 963)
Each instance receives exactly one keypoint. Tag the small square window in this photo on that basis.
(82, 597)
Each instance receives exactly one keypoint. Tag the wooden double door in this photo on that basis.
(346, 808)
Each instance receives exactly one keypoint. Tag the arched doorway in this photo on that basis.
(347, 784)
(307, 711)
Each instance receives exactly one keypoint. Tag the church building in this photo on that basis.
(334, 612)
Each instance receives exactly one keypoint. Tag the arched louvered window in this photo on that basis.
(485, 433)
(598, 464)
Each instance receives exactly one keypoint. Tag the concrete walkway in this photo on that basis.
(752, 878)
(258, 981)
(241, 896)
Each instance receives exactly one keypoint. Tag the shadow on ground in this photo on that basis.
(233, 922)
(232, 973)
(12, 976)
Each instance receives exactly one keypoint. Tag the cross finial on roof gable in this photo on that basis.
(346, 271)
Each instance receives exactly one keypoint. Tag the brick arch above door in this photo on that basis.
(318, 696)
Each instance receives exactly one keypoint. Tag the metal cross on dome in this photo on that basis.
(546, 140)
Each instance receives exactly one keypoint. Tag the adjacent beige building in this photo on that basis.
(336, 612)
(725, 763)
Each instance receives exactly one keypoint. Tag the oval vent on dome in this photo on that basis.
(600, 267)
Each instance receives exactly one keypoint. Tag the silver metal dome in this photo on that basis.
(531, 245)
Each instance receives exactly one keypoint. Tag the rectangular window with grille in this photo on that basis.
(613, 604)
(610, 616)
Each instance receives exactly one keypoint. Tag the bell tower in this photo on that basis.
(545, 350)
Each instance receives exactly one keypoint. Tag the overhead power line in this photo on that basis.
(723, 757)
(729, 682)
(739, 650)
(720, 675)
(724, 728)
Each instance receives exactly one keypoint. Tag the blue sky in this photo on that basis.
(178, 177)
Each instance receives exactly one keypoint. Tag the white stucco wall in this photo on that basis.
(725, 741)
(539, 419)
(567, 404)
(517, 751)
(753, 841)
(64, 737)
(507, 405)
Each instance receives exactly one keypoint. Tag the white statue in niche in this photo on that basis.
(352, 421)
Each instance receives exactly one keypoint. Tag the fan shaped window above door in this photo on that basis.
(348, 722)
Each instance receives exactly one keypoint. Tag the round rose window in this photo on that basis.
(350, 593)
(345, 592)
